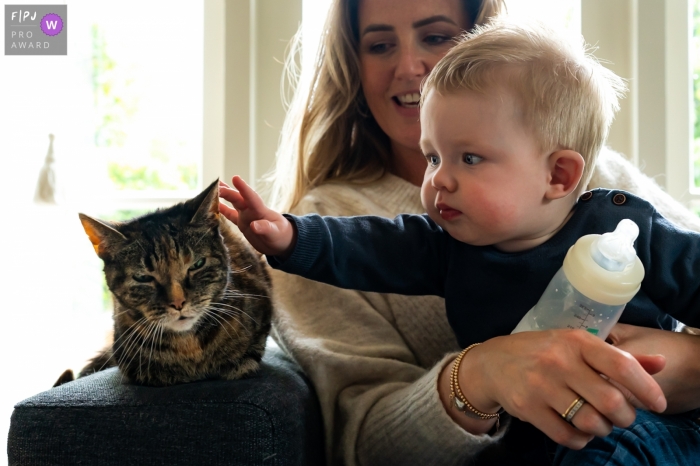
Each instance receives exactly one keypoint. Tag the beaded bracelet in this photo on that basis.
(459, 401)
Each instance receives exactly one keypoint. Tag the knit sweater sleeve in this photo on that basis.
(374, 360)
(369, 253)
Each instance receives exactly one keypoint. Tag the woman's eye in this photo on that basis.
(471, 159)
(198, 265)
(143, 278)
(379, 48)
(433, 160)
(436, 39)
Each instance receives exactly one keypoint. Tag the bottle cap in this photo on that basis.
(605, 268)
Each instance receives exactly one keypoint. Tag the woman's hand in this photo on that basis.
(267, 231)
(680, 378)
(535, 376)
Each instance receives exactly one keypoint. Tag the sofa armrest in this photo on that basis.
(269, 418)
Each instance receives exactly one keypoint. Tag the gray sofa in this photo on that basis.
(271, 418)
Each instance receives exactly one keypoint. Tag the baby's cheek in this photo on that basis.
(502, 214)
(427, 197)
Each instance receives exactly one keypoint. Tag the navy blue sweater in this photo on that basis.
(488, 291)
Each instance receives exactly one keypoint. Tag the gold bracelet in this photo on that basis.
(459, 401)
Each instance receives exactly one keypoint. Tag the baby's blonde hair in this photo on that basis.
(568, 98)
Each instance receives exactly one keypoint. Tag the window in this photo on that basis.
(565, 14)
(695, 70)
(146, 82)
(126, 109)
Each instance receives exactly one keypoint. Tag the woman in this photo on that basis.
(378, 361)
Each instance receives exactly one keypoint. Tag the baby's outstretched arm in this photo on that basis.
(267, 231)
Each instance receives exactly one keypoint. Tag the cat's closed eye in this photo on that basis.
(143, 278)
(198, 265)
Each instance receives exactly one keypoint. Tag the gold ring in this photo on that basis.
(573, 409)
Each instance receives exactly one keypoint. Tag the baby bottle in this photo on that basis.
(600, 275)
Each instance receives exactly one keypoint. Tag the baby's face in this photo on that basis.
(486, 177)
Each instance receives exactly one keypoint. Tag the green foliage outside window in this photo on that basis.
(696, 91)
(118, 100)
(144, 177)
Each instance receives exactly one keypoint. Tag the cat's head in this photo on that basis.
(166, 266)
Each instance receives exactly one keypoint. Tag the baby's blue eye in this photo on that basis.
(471, 159)
(433, 160)
(198, 265)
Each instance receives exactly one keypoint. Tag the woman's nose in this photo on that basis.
(411, 64)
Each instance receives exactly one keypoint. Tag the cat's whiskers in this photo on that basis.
(120, 313)
(128, 334)
(144, 344)
(231, 314)
(237, 309)
(153, 339)
(133, 348)
(125, 337)
(237, 294)
(242, 270)
(162, 331)
(221, 323)
(209, 312)
(111, 348)
(127, 344)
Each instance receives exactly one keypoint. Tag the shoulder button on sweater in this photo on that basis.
(619, 199)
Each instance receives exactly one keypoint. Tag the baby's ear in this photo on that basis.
(102, 235)
(565, 171)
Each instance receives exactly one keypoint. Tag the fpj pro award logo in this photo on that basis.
(36, 29)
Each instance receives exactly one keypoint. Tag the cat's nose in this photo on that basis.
(178, 303)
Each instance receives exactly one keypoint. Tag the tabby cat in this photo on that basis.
(191, 298)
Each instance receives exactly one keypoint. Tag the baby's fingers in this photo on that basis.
(248, 194)
(234, 197)
(229, 213)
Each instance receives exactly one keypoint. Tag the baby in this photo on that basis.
(512, 120)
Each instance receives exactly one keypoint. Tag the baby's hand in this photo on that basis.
(266, 230)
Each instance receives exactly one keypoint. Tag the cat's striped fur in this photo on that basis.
(191, 298)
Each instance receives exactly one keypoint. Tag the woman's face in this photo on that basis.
(400, 42)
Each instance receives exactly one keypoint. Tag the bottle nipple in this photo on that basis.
(614, 251)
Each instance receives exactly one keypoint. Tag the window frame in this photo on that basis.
(651, 50)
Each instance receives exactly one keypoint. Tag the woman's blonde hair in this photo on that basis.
(567, 98)
(329, 133)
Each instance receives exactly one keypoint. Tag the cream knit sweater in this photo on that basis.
(374, 358)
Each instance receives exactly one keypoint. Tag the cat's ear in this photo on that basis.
(100, 233)
(207, 205)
